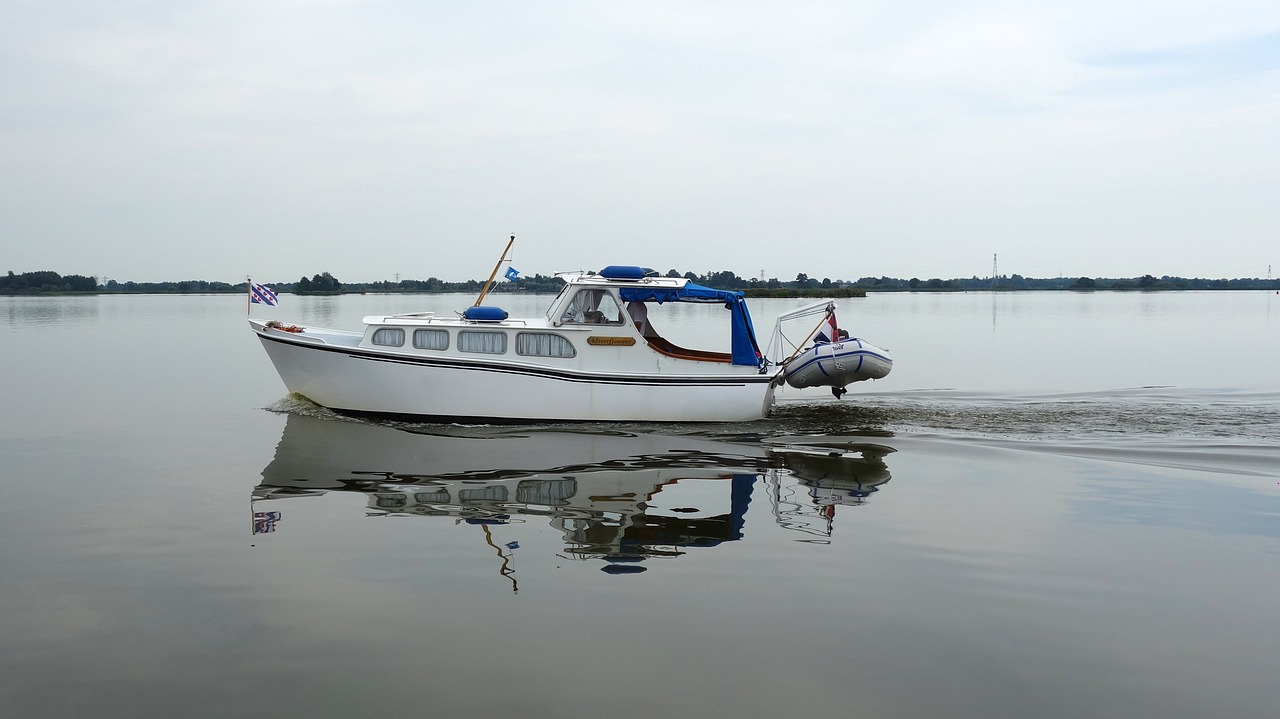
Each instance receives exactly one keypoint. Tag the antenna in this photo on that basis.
(994, 274)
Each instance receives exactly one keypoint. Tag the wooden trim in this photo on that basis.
(664, 347)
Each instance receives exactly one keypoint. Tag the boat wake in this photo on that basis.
(1203, 430)
(1125, 414)
(296, 404)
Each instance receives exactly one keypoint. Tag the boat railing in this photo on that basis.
(427, 318)
(775, 350)
(316, 336)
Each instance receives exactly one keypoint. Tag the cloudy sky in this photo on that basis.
(164, 140)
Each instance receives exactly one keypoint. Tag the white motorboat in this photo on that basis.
(594, 356)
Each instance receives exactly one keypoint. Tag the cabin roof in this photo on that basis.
(579, 277)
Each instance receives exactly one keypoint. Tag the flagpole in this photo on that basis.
(485, 290)
(248, 296)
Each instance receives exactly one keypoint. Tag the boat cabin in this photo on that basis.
(619, 295)
(608, 309)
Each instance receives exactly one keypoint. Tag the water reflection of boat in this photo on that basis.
(618, 497)
(828, 477)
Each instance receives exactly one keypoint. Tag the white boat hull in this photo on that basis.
(837, 364)
(451, 388)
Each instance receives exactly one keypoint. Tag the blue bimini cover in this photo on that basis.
(745, 350)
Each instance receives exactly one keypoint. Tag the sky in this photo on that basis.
(154, 140)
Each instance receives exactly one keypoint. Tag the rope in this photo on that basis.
(778, 379)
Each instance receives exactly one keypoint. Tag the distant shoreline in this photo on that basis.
(748, 293)
(52, 283)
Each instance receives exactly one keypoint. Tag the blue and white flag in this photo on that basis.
(262, 295)
(512, 273)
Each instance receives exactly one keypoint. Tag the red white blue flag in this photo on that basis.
(262, 295)
(830, 333)
(265, 522)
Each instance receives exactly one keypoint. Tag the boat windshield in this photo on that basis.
(592, 307)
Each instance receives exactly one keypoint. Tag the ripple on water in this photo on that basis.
(1142, 412)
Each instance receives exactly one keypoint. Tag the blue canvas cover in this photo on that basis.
(626, 272)
(744, 348)
(484, 313)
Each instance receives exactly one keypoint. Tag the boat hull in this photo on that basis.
(361, 381)
(838, 364)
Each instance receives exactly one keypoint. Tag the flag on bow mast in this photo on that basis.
(263, 295)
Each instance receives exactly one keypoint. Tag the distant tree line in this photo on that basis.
(536, 283)
(182, 287)
(1018, 282)
(46, 282)
(322, 284)
(30, 283)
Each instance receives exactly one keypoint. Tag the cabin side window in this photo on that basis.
(543, 344)
(496, 493)
(431, 339)
(388, 337)
(546, 492)
(485, 342)
(592, 307)
(390, 500)
(439, 496)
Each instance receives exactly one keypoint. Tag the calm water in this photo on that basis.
(1058, 505)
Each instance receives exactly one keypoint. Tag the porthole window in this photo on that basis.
(543, 344)
(485, 342)
(431, 339)
(389, 337)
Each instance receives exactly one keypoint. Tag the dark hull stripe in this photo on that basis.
(483, 419)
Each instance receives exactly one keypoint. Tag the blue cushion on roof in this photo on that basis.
(484, 313)
(626, 272)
